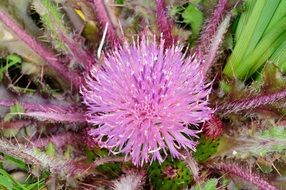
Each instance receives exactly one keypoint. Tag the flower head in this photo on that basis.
(143, 98)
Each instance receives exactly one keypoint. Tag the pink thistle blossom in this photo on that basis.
(143, 98)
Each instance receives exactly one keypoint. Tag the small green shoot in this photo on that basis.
(15, 110)
(194, 17)
(208, 185)
(51, 150)
(11, 60)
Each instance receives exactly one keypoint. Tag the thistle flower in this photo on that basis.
(143, 98)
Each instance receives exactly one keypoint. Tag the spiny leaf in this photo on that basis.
(53, 20)
(274, 132)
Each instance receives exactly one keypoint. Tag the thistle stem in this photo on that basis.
(253, 178)
(31, 157)
(217, 41)
(43, 52)
(252, 102)
(192, 164)
(47, 111)
(210, 28)
(58, 140)
(164, 23)
(58, 165)
(104, 17)
(78, 53)
(101, 161)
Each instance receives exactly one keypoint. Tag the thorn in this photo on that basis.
(102, 41)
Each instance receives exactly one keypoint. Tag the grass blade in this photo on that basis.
(279, 57)
(279, 14)
(246, 35)
(267, 13)
(248, 7)
(263, 51)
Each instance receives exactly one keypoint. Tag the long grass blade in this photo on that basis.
(263, 51)
(248, 7)
(246, 35)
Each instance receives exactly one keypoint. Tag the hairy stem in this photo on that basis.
(78, 53)
(210, 28)
(58, 165)
(58, 140)
(164, 23)
(101, 161)
(248, 175)
(30, 156)
(252, 102)
(60, 33)
(192, 164)
(47, 111)
(217, 41)
(50, 58)
(104, 17)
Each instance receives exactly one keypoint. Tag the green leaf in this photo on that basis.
(119, 1)
(244, 39)
(14, 110)
(18, 162)
(175, 10)
(279, 14)
(54, 22)
(268, 11)
(246, 12)
(279, 57)
(275, 132)
(11, 60)
(208, 185)
(68, 152)
(264, 49)
(161, 181)
(112, 169)
(211, 184)
(6, 182)
(51, 149)
(14, 59)
(260, 32)
(194, 17)
(205, 149)
(39, 184)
